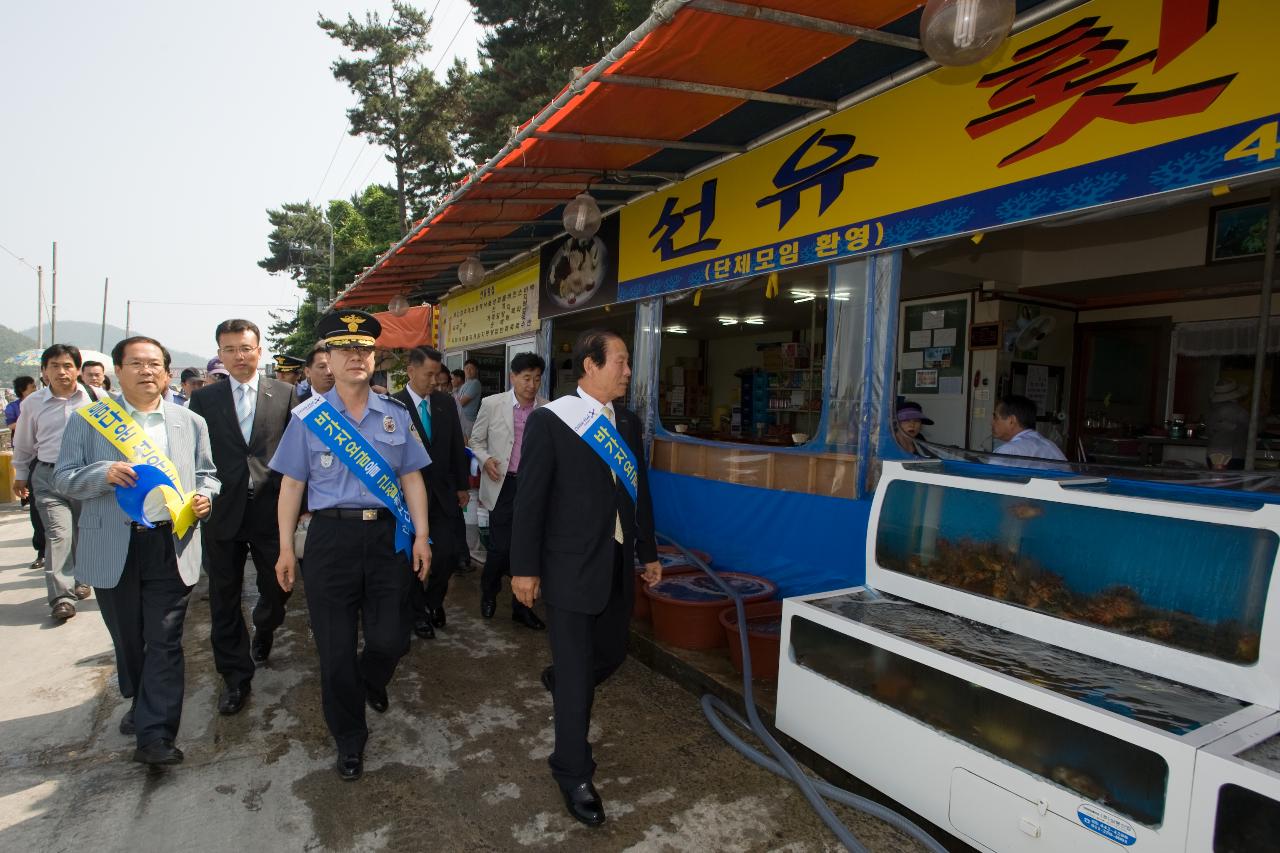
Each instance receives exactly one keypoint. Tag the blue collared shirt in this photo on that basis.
(303, 456)
(1032, 444)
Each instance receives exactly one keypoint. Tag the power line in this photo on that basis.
(364, 183)
(359, 155)
(211, 304)
(456, 32)
(20, 260)
(336, 148)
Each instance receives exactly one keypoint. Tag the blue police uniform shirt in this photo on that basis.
(303, 456)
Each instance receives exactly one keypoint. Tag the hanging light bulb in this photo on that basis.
(399, 306)
(963, 32)
(582, 217)
(470, 271)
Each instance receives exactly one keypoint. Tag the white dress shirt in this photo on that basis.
(37, 435)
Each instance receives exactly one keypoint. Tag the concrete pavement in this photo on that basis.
(457, 764)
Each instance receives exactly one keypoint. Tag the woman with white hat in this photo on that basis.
(1228, 426)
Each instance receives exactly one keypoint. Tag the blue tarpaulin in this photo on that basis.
(803, 543)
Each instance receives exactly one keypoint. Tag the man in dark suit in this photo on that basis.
(247, 415)
(435, 416)
(576, 533)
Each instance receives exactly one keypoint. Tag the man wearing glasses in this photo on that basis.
(247, 415)
(357, 458)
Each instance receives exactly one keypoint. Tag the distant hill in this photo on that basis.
(12, 343)
(86, 336)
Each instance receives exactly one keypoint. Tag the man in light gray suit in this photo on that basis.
(144, 575)
(495, 441)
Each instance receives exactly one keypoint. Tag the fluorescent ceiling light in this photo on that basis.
(676, 330)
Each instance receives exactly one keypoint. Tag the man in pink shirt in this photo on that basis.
(495, 441)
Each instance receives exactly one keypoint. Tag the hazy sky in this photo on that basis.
(149, 138)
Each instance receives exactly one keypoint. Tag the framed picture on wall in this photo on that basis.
(1237, 231)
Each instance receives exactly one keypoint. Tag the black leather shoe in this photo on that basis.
(260, 648)
(233, 699)
(126, 723)
(583, 803)
(527, 618)
(422, 627)
(549, 679)
(350, 766)
(376, 697)
(488, 606)
(437, 617)
(158, 752)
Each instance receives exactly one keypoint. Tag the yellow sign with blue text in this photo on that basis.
(1110, 101)
(503, 308)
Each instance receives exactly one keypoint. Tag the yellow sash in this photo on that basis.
(115, 425)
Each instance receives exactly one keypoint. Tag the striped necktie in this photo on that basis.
(244, 412)
(617, 518)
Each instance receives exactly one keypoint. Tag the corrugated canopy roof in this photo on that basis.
(699, 81)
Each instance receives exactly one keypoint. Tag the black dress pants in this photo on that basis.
(145, 612)
(224, 564)
(444, 560)
(585, 650)
(498, 559)
(37, 526)
(354, 578)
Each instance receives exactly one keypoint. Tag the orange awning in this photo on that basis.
(708, 82)
(413, 329)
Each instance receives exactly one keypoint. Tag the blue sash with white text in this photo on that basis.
(361, 458)
(586, 418)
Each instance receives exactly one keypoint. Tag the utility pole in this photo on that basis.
(102, 335)
(128, 315)
(53, 303)
(40, 308)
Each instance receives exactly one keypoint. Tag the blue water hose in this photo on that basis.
(782, 764)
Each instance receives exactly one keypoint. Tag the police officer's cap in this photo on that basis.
(349, 328)
(288, 363)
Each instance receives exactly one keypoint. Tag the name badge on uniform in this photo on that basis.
(389, 424)
(326, 460)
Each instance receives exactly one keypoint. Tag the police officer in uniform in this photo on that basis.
(353, 573)
(289, 368)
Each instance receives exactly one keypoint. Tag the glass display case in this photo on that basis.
(1195, 585)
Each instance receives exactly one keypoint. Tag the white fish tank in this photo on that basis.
(1038, 660)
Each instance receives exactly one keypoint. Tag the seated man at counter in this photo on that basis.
(1013, 421)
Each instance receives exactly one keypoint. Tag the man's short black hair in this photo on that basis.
(234, 326)
(591, 344)
(117, 351)
(89, 364)
(320, 347)
(527, 361)
(459, 374)
(1022, 409)
(472, 362)
(418, 355)
(189, 373)
(57, 350)
(22, 383)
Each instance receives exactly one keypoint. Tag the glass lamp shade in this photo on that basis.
(470, 271)
(962, 32)
(582, 217)
(399, 306)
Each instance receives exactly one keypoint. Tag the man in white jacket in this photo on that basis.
(495, 441)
